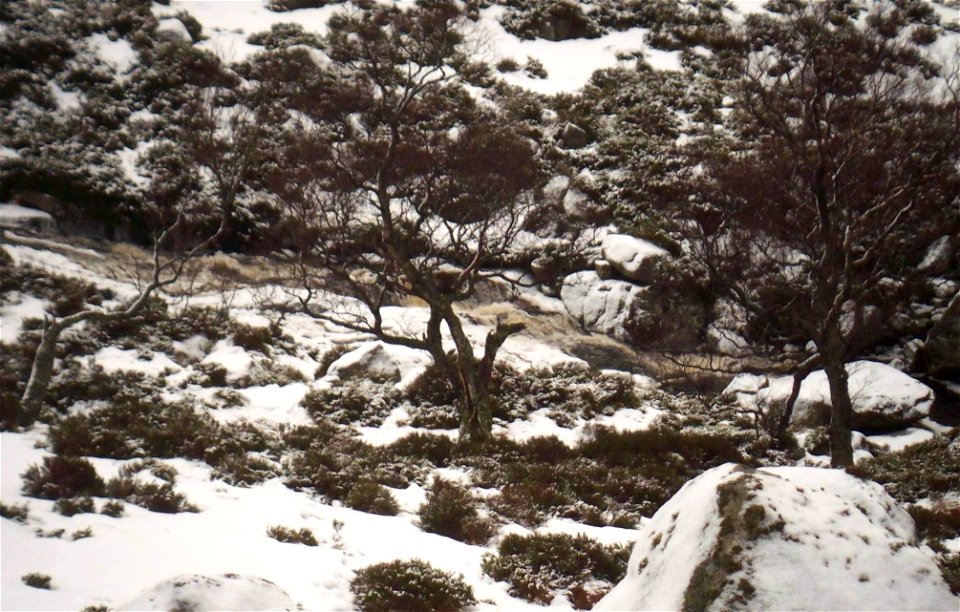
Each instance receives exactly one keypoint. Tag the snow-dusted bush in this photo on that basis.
(113, 508)
(150, 495)
(359, 402)
(409, 585)
(451, 511)
(292, 536)
(69, 506)
(37, 580)
(283, 35)
(136, 427)
(62, 476)
(927, 469)
(371, 497)
(15, 512)
(540, 567)
(435, 449)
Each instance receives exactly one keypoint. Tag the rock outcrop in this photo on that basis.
(634, 258)
(788, 538)
(883, 397)
(603, 306)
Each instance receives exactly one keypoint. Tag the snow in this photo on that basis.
(201, 593)
(66, 100)
(119, 53)
(15, 212)
(877, 391)
(569, 63)
(844, 544)
(13, 313)
(113, 359)
(898, 440)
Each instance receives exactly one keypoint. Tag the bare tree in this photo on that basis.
(843, 168)
(415, 191)
(225, 143)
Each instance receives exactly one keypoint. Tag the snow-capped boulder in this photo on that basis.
(174, 28)
(940, 256)
(634, 258)
(22, 217)
(882, 397)
(226, 592)
(787, 538)
(604, 306)
(372, 361)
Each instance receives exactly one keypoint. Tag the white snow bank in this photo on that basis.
(788, 538)
(175, 28)
(201, 593)
(120, 53)
(113, 359)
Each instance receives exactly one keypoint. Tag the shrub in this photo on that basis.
(372, 497)
(283, 35)
(136, 427)
(113, 508)
(539, 566)
(252, 338)
(69, 506)
(62, 476)
(409, 585)
(354, 402)
(508, 64)
(244, 470)
(80, 534)
(150, 495)
(437, 449)
(18, 513)
(451, 511)
(292, 536)
(280, 6)
(930, 468)
(37, 581)
(535, 69)
(950, 566)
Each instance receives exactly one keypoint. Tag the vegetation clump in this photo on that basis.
(451, 511)
(409, 585)
(292, 536)
(540, 567)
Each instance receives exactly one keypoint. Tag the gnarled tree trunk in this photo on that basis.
(841, 415)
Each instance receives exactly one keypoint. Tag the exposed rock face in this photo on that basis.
(604, 306)
(788, 538)
(883, 397)
(942, 349)
(371, 361)
(199, 593)
(636, 259)
(940, 256)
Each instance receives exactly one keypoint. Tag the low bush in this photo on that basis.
(37, 580)
(252, 338)
(409, 585)
(244, 469)
(80, 534)
(69, 506)
(436, 449)
(62, 476)
(16, 512)
(451, 511)
(936, 523)
(538, 567)
(113, 508)
(150, 495)
(280, 6)
(292, 536)
(284, 35)
(372, 497)
(354, 402)
(133, 426)
(950, 566)
(927, 469)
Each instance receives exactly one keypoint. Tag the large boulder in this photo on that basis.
(199, 593)
(372, 361)
(788, 538)
(882, 397)
(942, 348)
(635, 259)
(603, 306)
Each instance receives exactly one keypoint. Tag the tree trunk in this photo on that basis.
(783, 423)
(40, 374)
(841, 416)
(476, 411)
